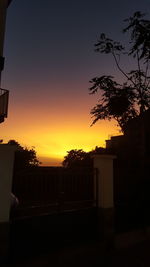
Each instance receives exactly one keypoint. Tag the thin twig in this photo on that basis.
(146, 70)
(140, 83)
(118, 66)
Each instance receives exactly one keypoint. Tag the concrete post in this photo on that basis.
(6, 173)
(104, 196)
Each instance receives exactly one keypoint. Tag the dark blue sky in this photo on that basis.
(54, 39)
(50, 58)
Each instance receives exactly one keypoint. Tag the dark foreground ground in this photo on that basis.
(89, 254)
(70, 240)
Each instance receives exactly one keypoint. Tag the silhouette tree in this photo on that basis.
(79, 158)
(130, 99)
(24, 157)
(75, 158)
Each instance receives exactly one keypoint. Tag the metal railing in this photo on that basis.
(68, 188)
(4, 96)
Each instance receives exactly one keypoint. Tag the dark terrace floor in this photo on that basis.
(70, 240)
(89, 254)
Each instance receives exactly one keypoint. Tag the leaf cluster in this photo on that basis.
(24, 157)
(125, 101)
(139, 35)
(77, 158)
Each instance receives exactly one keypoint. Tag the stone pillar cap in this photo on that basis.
(104, 156)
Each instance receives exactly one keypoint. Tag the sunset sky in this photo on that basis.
(49, 60)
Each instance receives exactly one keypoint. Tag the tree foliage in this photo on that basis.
(130, 99)
(24, 157)
(75, 158)
(79, 158)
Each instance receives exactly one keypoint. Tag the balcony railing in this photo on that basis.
(4, 95)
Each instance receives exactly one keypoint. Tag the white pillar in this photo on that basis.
(104, 166)
(6, 173)
(104, 195)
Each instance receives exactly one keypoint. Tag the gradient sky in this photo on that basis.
(50, 58)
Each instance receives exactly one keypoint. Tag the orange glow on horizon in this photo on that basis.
(52, 142)
(55, 126)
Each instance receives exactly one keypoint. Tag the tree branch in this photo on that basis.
(140, 83)
(118, 66)
(147, 86)
(139, 67)
(146, 73)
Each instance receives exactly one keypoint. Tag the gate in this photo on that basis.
(56, 206)
(53, 189)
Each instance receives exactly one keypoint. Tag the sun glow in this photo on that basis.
(54, 131)
(52, 142)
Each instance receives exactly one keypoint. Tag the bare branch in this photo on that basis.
(121, 70)
(139, 67)
(146, 74)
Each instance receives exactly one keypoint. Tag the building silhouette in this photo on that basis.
(4, 93)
